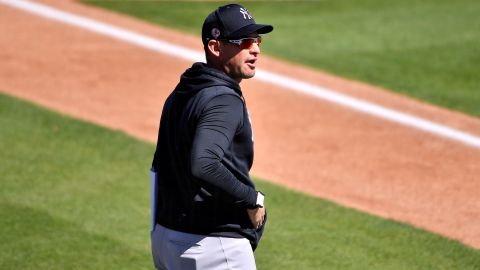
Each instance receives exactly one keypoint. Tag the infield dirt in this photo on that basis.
(301, 142)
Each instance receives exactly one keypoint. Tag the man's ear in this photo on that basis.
(213, 47)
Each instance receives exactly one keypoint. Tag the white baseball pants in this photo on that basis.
(174, 250)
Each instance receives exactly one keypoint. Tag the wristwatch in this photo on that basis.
(260, 199)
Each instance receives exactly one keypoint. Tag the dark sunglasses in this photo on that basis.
(246, 43)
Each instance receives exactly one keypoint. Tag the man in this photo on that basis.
(208, 214)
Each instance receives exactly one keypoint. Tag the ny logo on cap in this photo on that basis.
(245, 13)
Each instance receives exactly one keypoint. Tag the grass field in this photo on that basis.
(428, 49)
(75, 196)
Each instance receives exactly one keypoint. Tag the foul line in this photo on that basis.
(272, 78)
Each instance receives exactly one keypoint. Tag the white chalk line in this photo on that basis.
(272, 78)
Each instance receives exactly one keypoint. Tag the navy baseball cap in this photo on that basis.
(231, 22)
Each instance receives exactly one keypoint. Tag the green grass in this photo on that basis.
(75, 196)
(429, 50)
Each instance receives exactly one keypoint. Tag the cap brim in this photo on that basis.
(250, 29)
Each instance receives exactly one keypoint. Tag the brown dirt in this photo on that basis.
(303, 143)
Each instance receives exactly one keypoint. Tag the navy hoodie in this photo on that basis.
(203, 157)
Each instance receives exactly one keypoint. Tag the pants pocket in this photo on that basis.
(186, 246)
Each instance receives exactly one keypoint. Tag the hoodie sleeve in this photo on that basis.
(216, 128)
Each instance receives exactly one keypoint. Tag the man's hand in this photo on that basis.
(256, 216)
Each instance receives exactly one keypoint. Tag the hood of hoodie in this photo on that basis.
(200, 76)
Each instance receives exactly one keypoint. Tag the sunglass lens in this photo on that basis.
(248, 42)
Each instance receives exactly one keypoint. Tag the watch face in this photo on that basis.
(260, 199)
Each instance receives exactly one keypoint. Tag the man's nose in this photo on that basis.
(255, 49)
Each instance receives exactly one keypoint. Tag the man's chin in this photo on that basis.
(249, 75)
